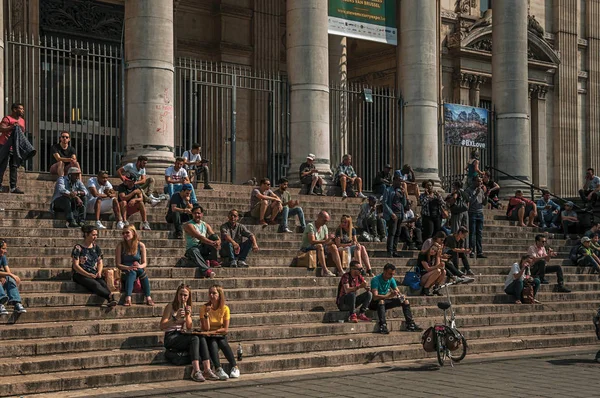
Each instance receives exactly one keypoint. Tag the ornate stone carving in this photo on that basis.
(534, 26)
(485, 20)
(85, 18)
(462, 6)
(482, 45)
(538, 91)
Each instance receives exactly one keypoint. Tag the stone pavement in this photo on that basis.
(534, 373)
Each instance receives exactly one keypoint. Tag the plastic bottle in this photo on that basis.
(240, 353)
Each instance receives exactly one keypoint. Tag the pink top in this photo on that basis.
(536, 252)
(10, 121)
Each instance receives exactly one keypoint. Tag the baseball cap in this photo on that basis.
(372, 198)
(186, 187)
(74, 170)
(569, 203)
(311, 156)
(130, 177)
(585, 239)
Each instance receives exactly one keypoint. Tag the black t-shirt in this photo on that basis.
(63, 153)
(490, 184)
(178, 201)
(422, 257)
(452, 243)
(125, 189)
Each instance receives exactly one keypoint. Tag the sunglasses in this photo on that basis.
(65, 137)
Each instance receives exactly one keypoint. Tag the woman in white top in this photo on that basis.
(519, 272)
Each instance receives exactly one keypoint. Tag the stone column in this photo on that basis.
(149, 77)
(418, 85)
(462, 84)
(2, 97)
(539, 152)
(474, 92)
(307, 62)
(338, 77)
(510, 92)
(593, 84)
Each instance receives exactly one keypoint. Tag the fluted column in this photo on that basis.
(593, 88)
(510, 91)
(308, 71)
(338, 77)
(418, 85)
(3, 104)
(539, 136)
(149, 75)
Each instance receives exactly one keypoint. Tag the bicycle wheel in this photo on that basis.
(462, 350)
(440, 347)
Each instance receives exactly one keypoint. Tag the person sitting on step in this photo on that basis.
(548, 211)
(201, 243)
(520, 207)
(130, 258)
(492, 191)
(264, 203)
(131, 200)
(387, 296)
(143, 182)
(175, 177)
(455, 244)
(407, 175)
(348, 298)
(569, 220)
(594, 229)
(102, 199)
(383, 180)
(195, 165)
(87, 265)
(540, 258)
(370, 220)
(290, 207)
(176, 319)
(519, 272)
(214, 321)
(316, 237)
(180, 209)
(237, 241)
(64, 154)
(309, 176)
(9, 284)
(70, 197)
(345, 239)
(432, 270)
(410, 233)
(591, 189)
(586, 256)
(345, 177)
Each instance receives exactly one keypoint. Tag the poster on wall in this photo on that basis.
(373, 20)
(466, 125)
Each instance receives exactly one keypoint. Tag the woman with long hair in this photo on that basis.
(432, 270)
(177, 318)
(87, 265)
(345, 238)
(130, 258)
(214, 320)
(472, 168)
(515, 280)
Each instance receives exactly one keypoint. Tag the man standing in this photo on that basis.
(520, 207)
(64, 154)
(195, 164)
(387, 296)
(540, 267)
(7, 156)
(264, 203)
(310, 176)
(347, 298)
(131, 201)
(569, 220)
(70, 196)
(383, 180)
(175, 177)
(144, 183)
(316, 237)
(201, 241)
(548, 210)
(393, 202)
(102, 199)
(345, 177)
(589, 192)
(290, 207)
(180, 210)
(477, 198)
(237, 241)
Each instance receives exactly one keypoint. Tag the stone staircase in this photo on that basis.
(285, 318)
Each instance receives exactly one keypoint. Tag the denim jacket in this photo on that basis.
(388, 196)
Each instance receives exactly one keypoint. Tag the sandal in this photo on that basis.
(149, 301)
(127, 302)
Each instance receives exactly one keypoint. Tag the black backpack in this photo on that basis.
(573, 253)
(178, 358)
(460, 205)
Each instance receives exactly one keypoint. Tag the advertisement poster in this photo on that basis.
(466, 125)
(373, 20)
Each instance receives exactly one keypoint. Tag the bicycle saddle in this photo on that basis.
(443, 305)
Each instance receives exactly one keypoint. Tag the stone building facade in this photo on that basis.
(535, 63)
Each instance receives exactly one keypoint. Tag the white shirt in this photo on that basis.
(133, 170)
(190, 157)
(93, 182)
(409, 214)
(515, 269)
(179, 175)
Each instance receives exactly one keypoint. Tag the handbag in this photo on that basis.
(412, 279)
(306, 259)
(528, 292)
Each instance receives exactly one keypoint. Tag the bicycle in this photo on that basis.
(448, 339)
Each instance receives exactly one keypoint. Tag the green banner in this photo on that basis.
(373, 20)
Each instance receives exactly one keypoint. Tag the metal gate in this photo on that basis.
(365, 122)
(239, 116)
(68, 85)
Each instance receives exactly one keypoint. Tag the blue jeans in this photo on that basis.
(227, 250)
(294, 211)
(516, 288)
(130, 277)
(172, 189)
(475, 231)
(548, 217)
(9, 293)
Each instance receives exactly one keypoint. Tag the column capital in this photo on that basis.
(537, 91)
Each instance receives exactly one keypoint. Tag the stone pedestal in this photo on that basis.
(418, 85)
(149, 76)
(509, 92)
(338, 78)
(307, 61)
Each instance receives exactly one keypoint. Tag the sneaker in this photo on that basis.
(178, 235)
(210, 274)
(471, 255)
(208, 187)
(111, 302)
(426, 292)
(363, 317)
(376, 239)
(120, 225)
(197, 376)
(383, 329)
(72, 224)
(481, 255)
(19, 308)
(214, 264)
(470, 273)
(125, 223)
(221, 374)
(154, 202)
(467, 279)
(562, 289)
(3, 310)
(152, 197)
(242, 264)
(210, 375)
(413, 327)
(163, 196)
(545, 282)
(145, 226)
(99, 225)
(344, 194)
(17, 191)
(353, 318)
(233, 263)
(553, 226)
(235, 373)
(361, 195)
(285, 231)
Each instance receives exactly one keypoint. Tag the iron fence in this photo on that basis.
(365, 122)
(67, 85)
(238, 115)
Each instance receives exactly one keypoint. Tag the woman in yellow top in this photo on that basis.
(214, 319)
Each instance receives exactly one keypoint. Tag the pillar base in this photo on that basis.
(159, 158)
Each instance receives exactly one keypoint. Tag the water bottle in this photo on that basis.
(240, 353)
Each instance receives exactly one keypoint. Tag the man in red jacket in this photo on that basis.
(519, 207)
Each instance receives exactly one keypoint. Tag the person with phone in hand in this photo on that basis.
(541, 258)
(519, 272)
(177, 319)
(214, 320)
(348, 298)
